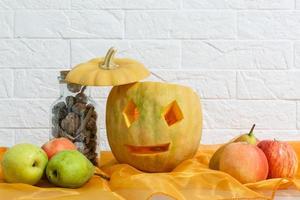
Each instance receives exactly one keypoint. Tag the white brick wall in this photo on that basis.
(241, 56)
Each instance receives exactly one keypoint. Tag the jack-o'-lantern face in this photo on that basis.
(153, 126)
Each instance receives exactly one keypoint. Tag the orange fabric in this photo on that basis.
(191, 180)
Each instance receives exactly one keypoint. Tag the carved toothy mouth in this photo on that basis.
(153, 149)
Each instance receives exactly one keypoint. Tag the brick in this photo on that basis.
(7, 137)
(120, 4)
(34, 4)
(262, 4)
(240, 114)
(6, 24)
(32, 136)
(298, 115)
(6, 83)
(36, 84)
(180, 24)
(25, 113)
(69, 24)
(297, 2)
(103, 142)
(236, 55)
(282, 135)
(206, 4)
(297, 55)
(100, 92)
(34, 53)
(44, 84)
(208, 84)
(269, 25)
(268, 85)
(101, 110)
(238, 4)
(212, 136)
(154, 54)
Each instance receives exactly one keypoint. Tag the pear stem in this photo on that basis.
(251, 131)
(108, 62)
(102, 176)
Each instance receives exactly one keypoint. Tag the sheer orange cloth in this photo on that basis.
(191, 180)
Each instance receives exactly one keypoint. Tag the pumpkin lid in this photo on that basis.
(107, 71)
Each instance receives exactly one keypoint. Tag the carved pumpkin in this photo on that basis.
(107, 71)
(153, 126)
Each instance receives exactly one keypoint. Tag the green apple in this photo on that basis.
(69, 169)
(24, 163)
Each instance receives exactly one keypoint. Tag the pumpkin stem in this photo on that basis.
(108, 60)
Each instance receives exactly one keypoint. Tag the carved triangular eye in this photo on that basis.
(173, 113)
(130, 113)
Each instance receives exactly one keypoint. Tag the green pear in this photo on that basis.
(69, 169)
(24, 163)
(248, 138)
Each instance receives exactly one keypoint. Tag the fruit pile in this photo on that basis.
(249, 160)
(63, 165)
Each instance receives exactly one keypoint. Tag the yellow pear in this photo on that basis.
(248, 137)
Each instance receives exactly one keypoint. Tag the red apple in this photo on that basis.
(56, 145)
(245, 162)
(282, 158)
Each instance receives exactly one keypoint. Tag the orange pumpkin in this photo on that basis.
(153, 126)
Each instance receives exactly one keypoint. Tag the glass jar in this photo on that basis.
(74, 116)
